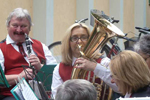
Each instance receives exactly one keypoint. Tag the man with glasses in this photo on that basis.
(73, 43)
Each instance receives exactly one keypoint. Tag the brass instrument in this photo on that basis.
(103, 31)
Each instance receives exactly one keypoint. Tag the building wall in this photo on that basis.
(64, 16)
(39, 20)
(128, 17)
(51, 18)
(147, 13)
(102, 5)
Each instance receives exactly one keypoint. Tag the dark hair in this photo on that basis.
(143, 44)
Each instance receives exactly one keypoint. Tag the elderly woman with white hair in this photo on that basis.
(76, 89)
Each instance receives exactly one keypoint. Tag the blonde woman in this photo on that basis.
(131, 74)
(77, 34)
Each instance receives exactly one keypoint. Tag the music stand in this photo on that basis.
(45, 76)
(3, 80)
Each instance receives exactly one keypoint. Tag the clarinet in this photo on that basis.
(28, 44)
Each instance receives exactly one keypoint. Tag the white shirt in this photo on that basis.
(100, 71)
(48, 55)
(127, 95)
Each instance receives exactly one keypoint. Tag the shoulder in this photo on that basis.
(3, 41)
(34, 40)
(56, 68)
(103, 60)
(143, 92)
(38, 42)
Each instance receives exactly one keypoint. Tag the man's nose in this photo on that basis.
(19, 29)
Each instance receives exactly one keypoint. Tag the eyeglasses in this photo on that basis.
(82, 38)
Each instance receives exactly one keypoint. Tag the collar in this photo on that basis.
(128, 95)
(10, 41)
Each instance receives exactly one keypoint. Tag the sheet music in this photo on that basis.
(28, 94)
(22, 91)
(18, 92)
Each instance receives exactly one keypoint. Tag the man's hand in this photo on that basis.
(34, 61)
(27, 74)
(85, 64)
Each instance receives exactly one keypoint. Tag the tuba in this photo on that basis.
(102, 32)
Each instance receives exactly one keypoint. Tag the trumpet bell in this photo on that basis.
(100, 17)
(103, 31)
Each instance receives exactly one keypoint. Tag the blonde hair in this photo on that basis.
(130, 70)
(65, 47)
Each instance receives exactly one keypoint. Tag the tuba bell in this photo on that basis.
(103, 31)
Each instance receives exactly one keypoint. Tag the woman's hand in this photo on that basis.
(85, 64)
